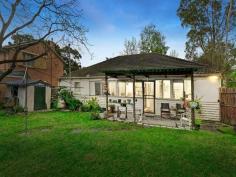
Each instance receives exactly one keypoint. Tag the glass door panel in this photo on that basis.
(149, 97)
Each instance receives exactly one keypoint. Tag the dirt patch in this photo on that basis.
(76, 131)
(29, 132)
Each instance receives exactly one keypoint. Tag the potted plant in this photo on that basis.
(112, 108)
(197, 107)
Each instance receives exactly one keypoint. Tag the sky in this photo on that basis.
(110, 22)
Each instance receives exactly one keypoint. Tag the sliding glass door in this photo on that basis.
(149, 97)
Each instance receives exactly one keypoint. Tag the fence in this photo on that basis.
(228, 105)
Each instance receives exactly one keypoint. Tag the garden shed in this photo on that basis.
(36, 94)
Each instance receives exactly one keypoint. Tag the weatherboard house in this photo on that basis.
(147, 82)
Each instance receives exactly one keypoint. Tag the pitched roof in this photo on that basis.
(139, 63)
(12, 46)
(22, 82)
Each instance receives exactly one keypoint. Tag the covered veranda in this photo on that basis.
(144, 74)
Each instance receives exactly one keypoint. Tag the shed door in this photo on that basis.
(39, 98)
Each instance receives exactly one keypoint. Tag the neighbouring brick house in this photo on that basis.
(47, 69)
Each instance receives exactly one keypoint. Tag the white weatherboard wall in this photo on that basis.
(30, 97)
(206, 88)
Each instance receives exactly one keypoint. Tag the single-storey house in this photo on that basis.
(146, 81)
(33, 94)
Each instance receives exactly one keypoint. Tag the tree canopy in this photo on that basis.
(131, 46)
(212, 30)
(151, 41)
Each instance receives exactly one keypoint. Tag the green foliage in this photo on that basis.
(152, 41)
(91, 106)
(231, 79)
(73, 61)
(165, 152)
(17, 109)
(211, 27)
(55, 104)
(71, 102)
(22, 38)
(95, 116)
(131, 47)
(198, 122)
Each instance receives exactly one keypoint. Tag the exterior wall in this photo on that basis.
(48, 97)
(30, 97)
(48, 68)
(207, 89)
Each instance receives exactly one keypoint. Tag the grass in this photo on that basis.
(65, 144)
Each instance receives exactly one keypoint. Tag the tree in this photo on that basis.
(152, 41)
(173, 53)
(131, 47)
(41, 19)
(211, 36)
(72, 62)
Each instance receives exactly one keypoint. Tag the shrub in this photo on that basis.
(17, 109)
(91, 106)
(73, 104)
(95, 116)
(70, 101)
(54, 104)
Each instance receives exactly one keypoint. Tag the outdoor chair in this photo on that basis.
(179, 110)
(165, 109)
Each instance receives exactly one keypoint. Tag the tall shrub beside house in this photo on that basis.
(71, 102)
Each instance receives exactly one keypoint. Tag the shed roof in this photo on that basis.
(139, 63)
(22, 82)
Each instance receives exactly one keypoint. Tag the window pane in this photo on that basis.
(77, 87)
(159, 88)
(129, 89)
(187, 89)
(121, 87)
(28, 56)
(112, 88)
(97, 88)
(178, 89)
(166, 88)
(138, 89)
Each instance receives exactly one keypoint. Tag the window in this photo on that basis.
(97, 88)
(178, 89)
(159, 86)
(129, 89)
(112, 88)
(138, 89)
(187, 89)
(166, 89)
(121, 86)
(77, 87)
(28, 56)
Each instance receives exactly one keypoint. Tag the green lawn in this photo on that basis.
(64, 144)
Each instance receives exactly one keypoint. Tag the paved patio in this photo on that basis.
(151, 121)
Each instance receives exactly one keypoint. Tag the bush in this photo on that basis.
(17, 109)
(91, 106)
(54, 104)
(70, 101)
(73, 104)
(95, 116)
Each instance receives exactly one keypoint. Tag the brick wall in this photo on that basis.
(48, 68)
